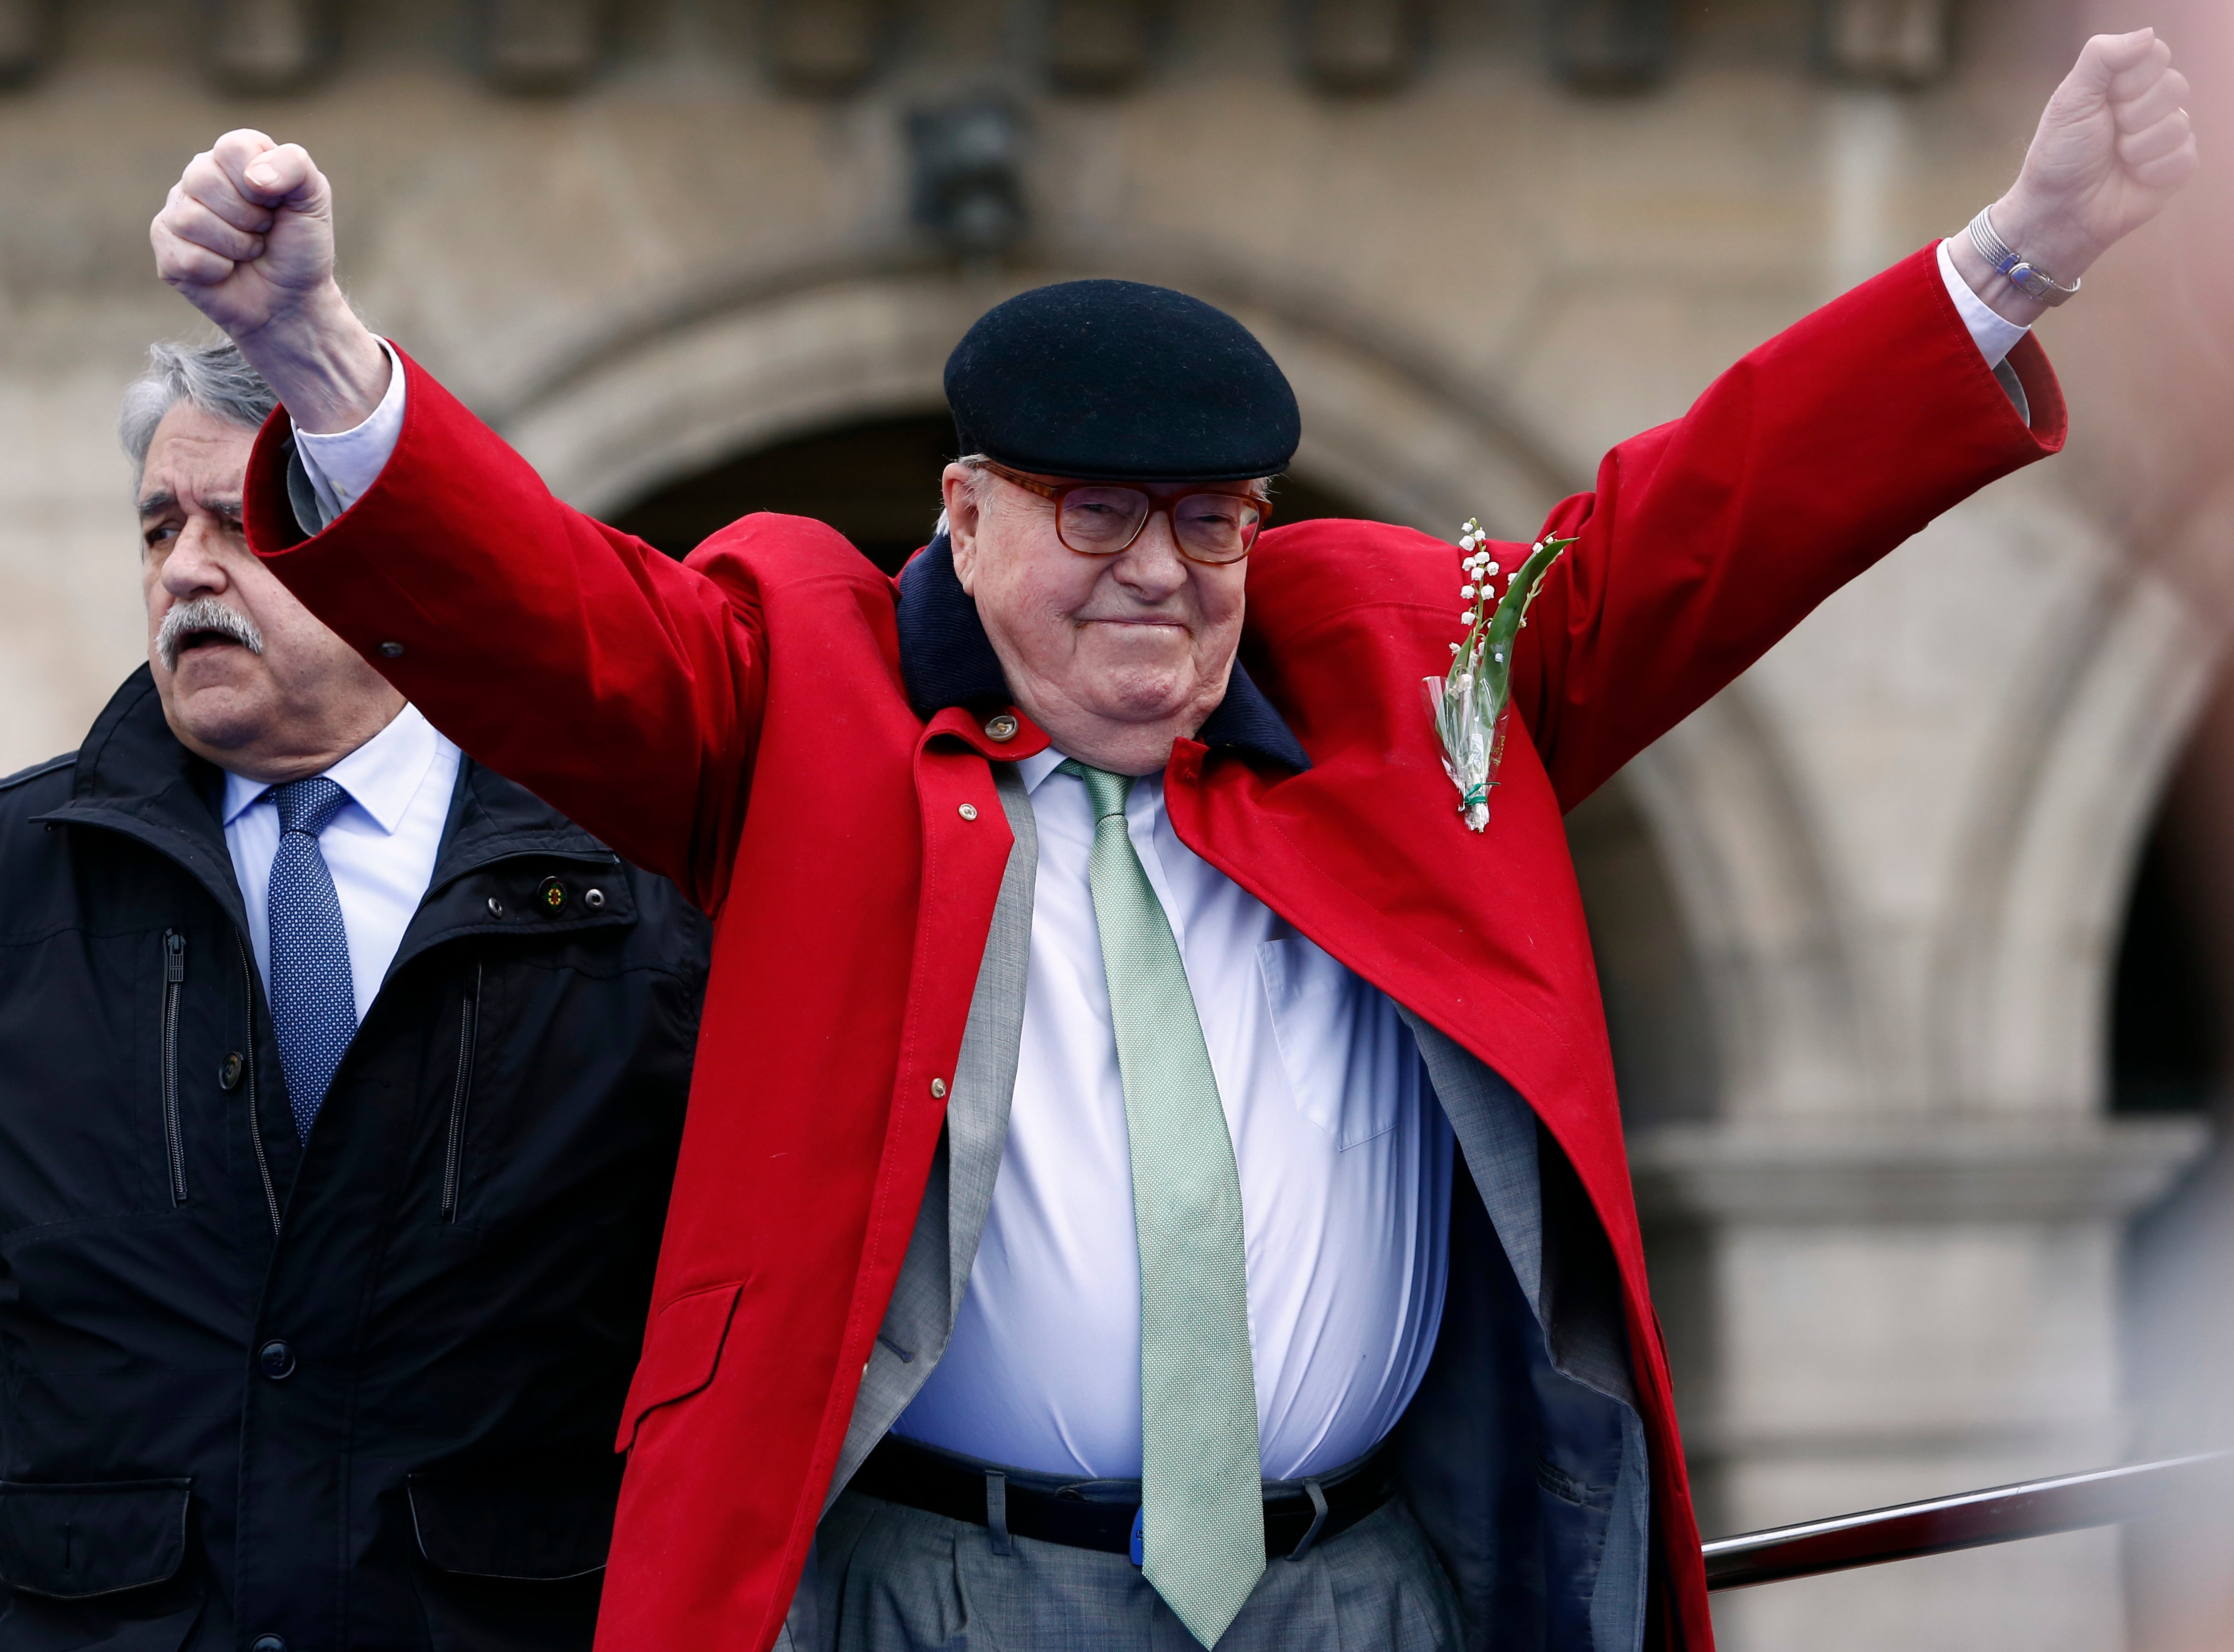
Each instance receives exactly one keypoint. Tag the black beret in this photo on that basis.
(1108, 381)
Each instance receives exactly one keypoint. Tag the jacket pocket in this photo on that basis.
(71, 1542)
(461, 1089)
(679, 1355)
(536, 1529)
(174, 993)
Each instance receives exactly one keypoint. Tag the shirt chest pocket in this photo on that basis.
(1349, 1057)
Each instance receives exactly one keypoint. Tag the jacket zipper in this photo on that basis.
(255, 1113)
(174, 989)
(455, 1149)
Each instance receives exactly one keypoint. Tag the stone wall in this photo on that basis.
(1861, 910)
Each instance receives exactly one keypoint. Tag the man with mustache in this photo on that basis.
(340, 1081)
(1155, 1178)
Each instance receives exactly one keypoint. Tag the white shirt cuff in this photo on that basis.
(1994, 335)
(341, 468)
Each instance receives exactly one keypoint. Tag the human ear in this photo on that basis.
(962, 521)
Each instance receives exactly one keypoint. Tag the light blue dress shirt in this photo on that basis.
(1345, 1161)
(379, 848)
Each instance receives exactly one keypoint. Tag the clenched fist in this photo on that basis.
(2114, 144)
(247, 235)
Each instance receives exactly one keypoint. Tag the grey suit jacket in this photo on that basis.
(1522, 1455)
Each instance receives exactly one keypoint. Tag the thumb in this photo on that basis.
(2107, 56)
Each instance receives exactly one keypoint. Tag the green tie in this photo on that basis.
(1201, 1493)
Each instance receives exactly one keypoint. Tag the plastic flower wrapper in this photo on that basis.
(1471, 701)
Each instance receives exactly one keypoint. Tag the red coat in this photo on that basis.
(739, 723)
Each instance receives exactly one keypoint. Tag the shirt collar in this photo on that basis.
(1038, 767)
(381, 776)
(947, 660)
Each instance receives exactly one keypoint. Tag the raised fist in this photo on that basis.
(247, 235)
(2114, 144)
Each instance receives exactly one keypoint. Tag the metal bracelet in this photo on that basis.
(2025, 276)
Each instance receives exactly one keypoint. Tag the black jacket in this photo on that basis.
(357, 1394)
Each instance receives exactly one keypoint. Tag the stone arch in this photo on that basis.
(2090, 736)
(695, 381)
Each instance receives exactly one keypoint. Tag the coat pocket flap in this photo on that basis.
(679, 1353)
(74, 1541)
(539, 1528)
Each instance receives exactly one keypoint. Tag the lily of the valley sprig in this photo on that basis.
(1471, 701)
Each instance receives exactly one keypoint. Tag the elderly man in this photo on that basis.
(341, 1082)
(1068, 1249)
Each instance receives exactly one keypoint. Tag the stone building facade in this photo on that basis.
(1859, 919)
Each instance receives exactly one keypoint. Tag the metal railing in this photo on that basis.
(1970, 1520)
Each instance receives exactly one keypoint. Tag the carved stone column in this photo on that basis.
(1358, 45)
(267, 45)
(1611, 45)
(1865, 1312)
(824, 47)
(540, 46)
(1902, 42)
(25, 29)
(1097, 45)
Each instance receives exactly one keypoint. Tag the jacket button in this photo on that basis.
(392, 650)
(551, 895)
(968, 811)
(938, 1089)
(1002, 728)
(495, 907)
(594, 899)
(267, 1643)
(230, 1069)
(275, 1359)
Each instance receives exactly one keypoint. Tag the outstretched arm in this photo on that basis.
(2112, 145)
(247, 236)
(1708, 538)
(624, 689)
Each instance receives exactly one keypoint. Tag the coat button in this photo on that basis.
(1001, 728)
(495, 907)
(938, 1089)
(594, 899)
(392, 650)
(968, 811)
(275, 1359)
(550, 894)
(267, 1643)
(230, 1069)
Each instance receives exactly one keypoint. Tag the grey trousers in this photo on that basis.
(887, 1578)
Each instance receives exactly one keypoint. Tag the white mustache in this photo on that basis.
(203, 614)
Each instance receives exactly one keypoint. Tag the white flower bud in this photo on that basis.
(1466, 590)
(1490, 568)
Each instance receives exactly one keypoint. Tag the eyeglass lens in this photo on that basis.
(1211, 527)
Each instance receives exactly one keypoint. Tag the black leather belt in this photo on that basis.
(1101, 1514)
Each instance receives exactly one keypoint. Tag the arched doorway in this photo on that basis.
(2171, 1052)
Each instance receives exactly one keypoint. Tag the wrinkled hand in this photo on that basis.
(2114, 145)
(247, 235)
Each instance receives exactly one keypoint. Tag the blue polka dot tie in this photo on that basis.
(313, 996)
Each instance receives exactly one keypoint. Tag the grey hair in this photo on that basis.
(215, 378)
(976, 489)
